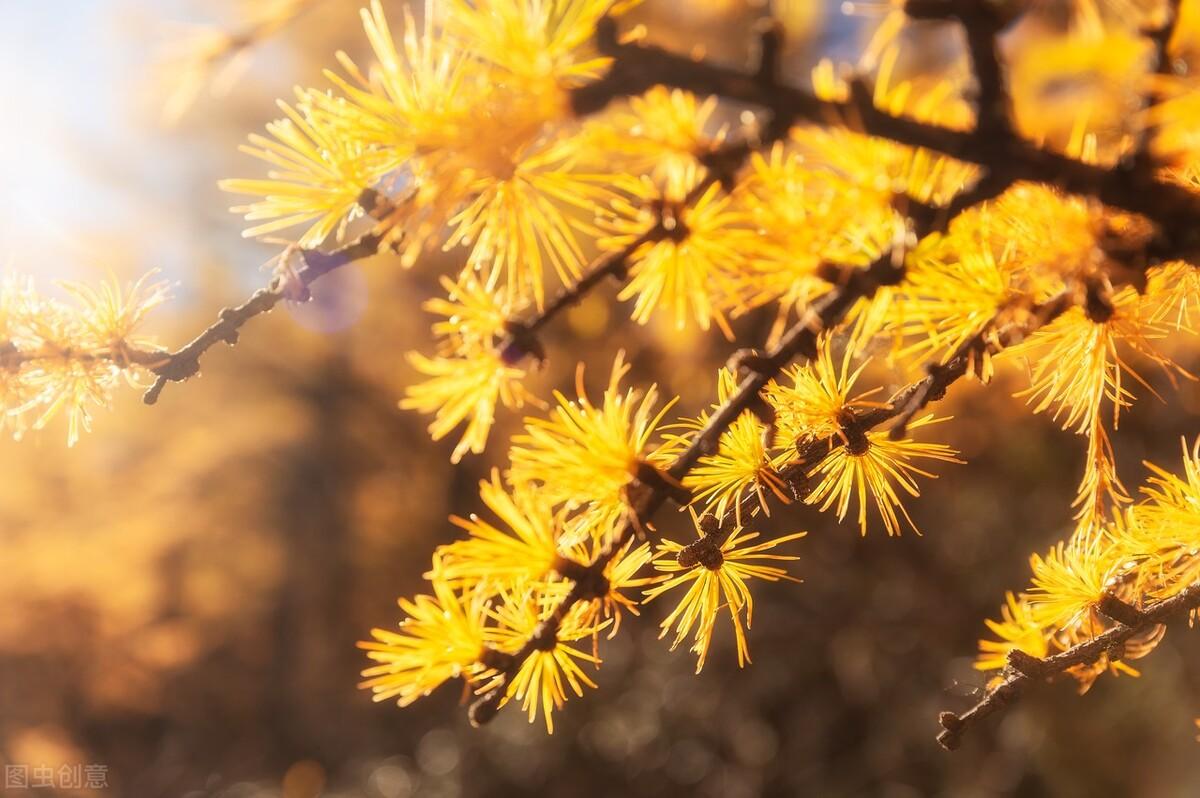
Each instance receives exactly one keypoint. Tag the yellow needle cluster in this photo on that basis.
(414, 127)
(490, 592)
(814, 439)
(67, 356)
(569, 499)
(993, 278)
(1147, 553)
(461, 135)
(471, 373)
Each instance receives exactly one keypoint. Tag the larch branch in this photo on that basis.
(1023, 669)
(1000, 151)
(722, 164)
(801, 339)
(184, 363)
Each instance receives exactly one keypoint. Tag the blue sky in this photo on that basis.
(58, 89)
(90, 182)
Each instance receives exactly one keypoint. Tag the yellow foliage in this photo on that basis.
(463, 141)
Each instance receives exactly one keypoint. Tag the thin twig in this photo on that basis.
(1160, 38)
(800, 339)
(638, 66)
(722, 164)
(184, 363)
(1023, 669)
(982, 21)
(902, 406)
(916, 397)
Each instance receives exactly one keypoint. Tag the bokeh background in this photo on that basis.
(182, 592)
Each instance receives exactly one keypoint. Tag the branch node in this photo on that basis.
(496, 660)
(950, 721)
(723, 163)
(1116, 609)
(750, 360)
(857, 442)
(1026, 664)
(590, 581)
(807, 346)
(545, 636)
(607, 38)
(154, 391)
(704, 552)
(619, 269)
(521, 342)
(862, 98)
(657, 480)
(1098, 303)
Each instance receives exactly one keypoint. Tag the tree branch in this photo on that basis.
(1004, 155)
(1023, 669)
(722, 164)
(637, 67)
(1160, 38)
(904, 404)
(184, 363)
(982, 21)
(800, 339)
(917, 396)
